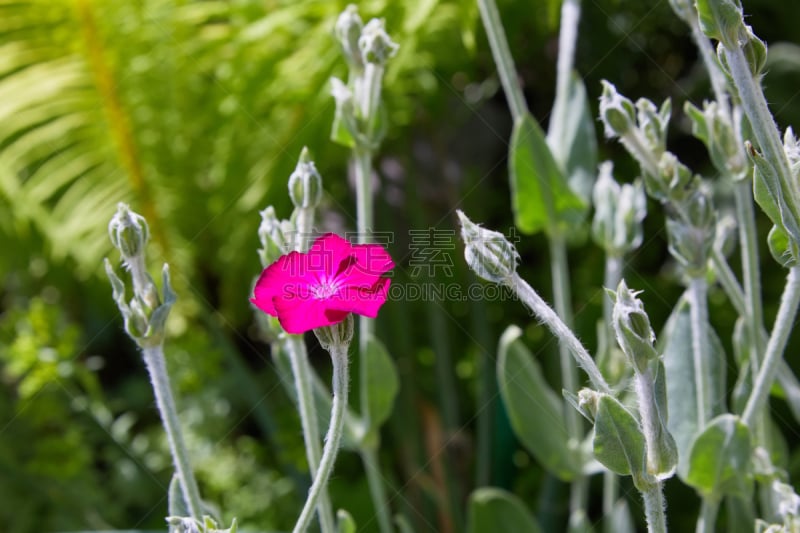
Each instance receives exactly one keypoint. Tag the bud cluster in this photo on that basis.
(619, 212)
(145, 315)
(714, 128)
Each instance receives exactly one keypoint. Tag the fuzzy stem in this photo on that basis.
(502, 57)
(750, 269)
(715, 75)
(333, 438)
(708, 516)
(303, 223)
(557, 326)
(762, 124)
(613, 275)
(648, 412)
(653, 497)
(376, 489)
(303, 380)
(157, 368)
(729, 282)
(784, 323)
(698, 308)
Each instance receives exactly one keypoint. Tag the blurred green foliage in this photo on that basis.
(194, 113)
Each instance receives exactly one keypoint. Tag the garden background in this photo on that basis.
(195, 113)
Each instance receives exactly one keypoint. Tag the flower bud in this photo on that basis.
(305, 183)
(691, 237)
(653, 123)
(273, 240)
(340, 334)
(375, 44)
(714, 128)
(619, 211)
(588, 401)
(128, 232)
(488, 253)
(617, 112)
(348, 31)
(674, 180)
(632, 326)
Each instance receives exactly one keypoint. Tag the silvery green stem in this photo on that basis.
(567, 37)
(750, 269)
(784, 323)
(303, 381)
(362, 164)
(376, 489)
(653, 498)
(762, 124)
(648, 412)
(333, 439)
(565, 335)
(561, 299)
(502, 57)
(372, 79)
(157, 368)
(729, 282)
(715, 75)
(303, 225)
(708, 516)
(698, 309)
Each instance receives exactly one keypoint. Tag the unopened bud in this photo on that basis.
(348, 31)
(714, 128)
(674, 181)
(273, 240)
(588, 400)
(692, 236)
(488, 253)
(619, 211)
(375, 44)
(128, 232)
(617, 112)
(340, 334)
(305, 183)
(632, 326)
(653, 123)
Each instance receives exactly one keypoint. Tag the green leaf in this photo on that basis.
(680, 379)
(540, 195)
(402, 523)
(345, 522)
(618, 440)
(782, 248)
(532, 405)
(382, 383)
(340, 134)
(492, 509)
(719, 460)
(667, 448)
(572, 140)
(176, 505)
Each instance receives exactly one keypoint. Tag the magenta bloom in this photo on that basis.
(319, 288)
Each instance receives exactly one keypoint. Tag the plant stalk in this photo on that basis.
(303, 381)
(376, 489)
(698, 308)
(333, 439)
(708, 516)
(157, 368)
(502, 57)
(776, 345)
(653, 497)
(545, 313)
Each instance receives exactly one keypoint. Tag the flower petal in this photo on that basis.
(360, 300)
(298, 315)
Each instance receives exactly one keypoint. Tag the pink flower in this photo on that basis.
(319, 288)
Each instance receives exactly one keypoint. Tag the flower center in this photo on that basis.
(325, 288)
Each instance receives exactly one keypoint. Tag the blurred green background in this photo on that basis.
(194, 113)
